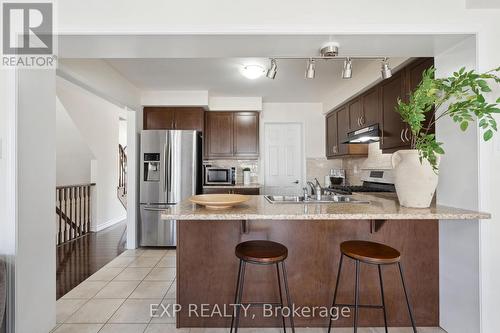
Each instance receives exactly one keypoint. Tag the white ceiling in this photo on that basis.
(222, 77)
(213, 62)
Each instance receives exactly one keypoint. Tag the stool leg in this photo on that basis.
(407, 298)
(288, 298)
(237, 298)
(335, 291)
(281, 296)
(356, 298)
(382, 295)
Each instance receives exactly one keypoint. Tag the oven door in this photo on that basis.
(218, 176)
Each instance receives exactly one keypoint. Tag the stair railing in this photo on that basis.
(122, 168)
(73, 211)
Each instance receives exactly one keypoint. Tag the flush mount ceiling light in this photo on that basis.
(252, 72)
(310, 69)
(385, 70)
(347, 69)
(271, 72)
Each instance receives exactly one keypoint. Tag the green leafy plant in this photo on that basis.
(460, 97)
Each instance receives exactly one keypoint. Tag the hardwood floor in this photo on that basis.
(79, 259)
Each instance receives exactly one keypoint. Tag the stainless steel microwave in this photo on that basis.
(220, 176)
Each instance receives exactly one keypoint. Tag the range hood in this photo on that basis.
(365, 135)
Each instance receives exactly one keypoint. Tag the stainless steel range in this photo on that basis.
(373, 181)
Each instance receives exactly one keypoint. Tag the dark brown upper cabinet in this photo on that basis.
(231, 135)
(396, 134)
(337, 128)
(246, 134)
(355, 114)
(331, 135)
(376, 106)
(364, 110)
(393, 129)
(370, 107)
(179, 118)
(219, 134)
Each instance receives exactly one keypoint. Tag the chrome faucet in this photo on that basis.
(312, 186)
(306, 193)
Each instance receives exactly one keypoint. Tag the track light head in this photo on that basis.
(347, 69)
(271, 72)
(385, 70)
(310, 69)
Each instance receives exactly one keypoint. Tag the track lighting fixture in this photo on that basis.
(347, 68)
(271, 72)
(310, 69)
(385, 70)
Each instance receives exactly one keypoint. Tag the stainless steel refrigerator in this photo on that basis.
(170, 171)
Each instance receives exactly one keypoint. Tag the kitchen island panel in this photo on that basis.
(207, 269)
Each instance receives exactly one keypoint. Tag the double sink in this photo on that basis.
(297, 199)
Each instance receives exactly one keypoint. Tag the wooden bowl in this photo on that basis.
(219, 201)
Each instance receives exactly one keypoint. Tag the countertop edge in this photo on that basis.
(233, 217)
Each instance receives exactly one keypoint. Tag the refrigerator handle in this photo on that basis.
(169, 170)
(165, 152)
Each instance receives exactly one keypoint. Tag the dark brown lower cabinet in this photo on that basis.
(207, 270)
(231, 190)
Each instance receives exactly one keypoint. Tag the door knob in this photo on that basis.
(296, 182)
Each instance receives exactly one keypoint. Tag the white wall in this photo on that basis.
(174, 98)
(489, 192)
(73, 155)
(122, 132)
(459, 242)
(103, 79)
(8, 184)
(35, 266)
(220, 103)
(97, 121)
(309, 114)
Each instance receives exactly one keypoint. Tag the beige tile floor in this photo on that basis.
(117, 299)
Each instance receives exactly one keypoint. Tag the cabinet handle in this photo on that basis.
(362, 119)
(359, 121)
(406, 135)
(401, 135)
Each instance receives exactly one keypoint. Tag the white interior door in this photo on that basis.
(284, 158)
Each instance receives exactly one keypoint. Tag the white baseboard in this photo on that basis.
(108, 224)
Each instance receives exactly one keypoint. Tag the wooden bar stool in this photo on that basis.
(260, 252)
(373, 254)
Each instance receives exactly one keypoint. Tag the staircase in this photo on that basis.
(73, 211)
(122, 176)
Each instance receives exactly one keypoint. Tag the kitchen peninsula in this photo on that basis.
(207, 267)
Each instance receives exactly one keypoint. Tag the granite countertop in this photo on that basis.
(381, 207)
(253, 185)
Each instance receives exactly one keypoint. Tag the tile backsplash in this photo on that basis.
(319, 167)
(239, 165)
